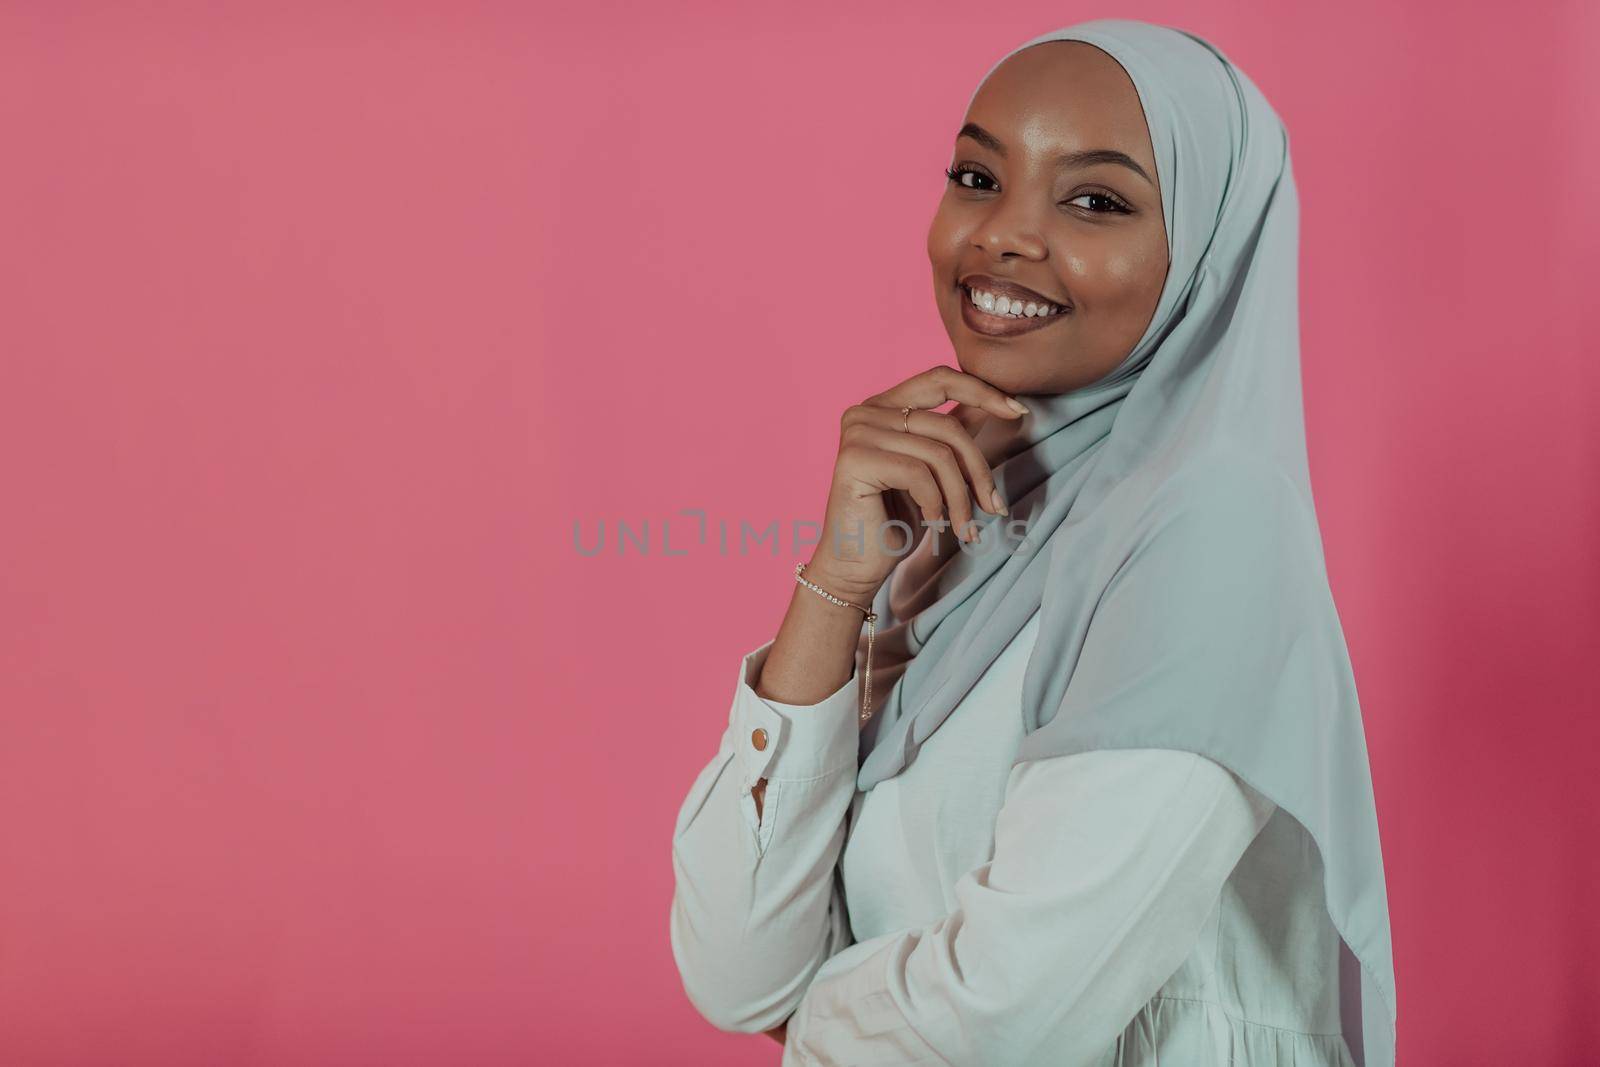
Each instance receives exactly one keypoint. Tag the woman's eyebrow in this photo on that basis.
(1083, 158)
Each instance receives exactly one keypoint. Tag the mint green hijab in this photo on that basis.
(1171, 545)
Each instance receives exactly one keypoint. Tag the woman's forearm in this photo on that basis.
(756, 908)
(814, 651)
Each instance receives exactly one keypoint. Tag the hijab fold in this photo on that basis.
(1162, 524)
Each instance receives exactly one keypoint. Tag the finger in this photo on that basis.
(899, 505)
(939, 457)
(971, 418)
(941, 384)
(947, 428)
(886, 471)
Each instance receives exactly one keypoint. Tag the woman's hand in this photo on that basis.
(919, 470)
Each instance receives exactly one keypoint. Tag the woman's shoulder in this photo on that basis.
(1227, 475)
(1230, 487)
(1234, 512)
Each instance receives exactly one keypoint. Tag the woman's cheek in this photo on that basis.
(1146, 264)
(1083, 277)
(1126, 270)
(1129, 278)
(1111, 274)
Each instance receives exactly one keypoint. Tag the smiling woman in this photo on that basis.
(1105, 799)
(1051, 199)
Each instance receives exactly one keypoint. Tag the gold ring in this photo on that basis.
(905, 417)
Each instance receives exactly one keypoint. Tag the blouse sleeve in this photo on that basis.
(1105, 867)
(756, 908)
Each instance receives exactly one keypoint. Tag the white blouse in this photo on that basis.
(1106, 908)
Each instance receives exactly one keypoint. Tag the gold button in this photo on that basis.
(758, 738)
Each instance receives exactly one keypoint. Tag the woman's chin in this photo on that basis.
(1007, 371)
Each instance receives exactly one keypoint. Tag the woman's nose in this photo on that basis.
(1008, 231)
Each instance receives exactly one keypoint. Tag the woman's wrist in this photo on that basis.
(815, 648)
(837, 578)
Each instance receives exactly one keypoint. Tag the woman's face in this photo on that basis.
(1054, 191)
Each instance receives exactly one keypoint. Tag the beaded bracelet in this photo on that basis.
(872, 617)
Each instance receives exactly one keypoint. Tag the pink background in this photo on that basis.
(319, 741)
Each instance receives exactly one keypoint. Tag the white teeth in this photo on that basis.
(1010, 308)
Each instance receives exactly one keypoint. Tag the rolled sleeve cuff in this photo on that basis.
(782, 742)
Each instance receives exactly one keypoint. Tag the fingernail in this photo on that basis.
(998, 501)
(1016, 405)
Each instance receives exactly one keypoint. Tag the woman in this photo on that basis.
(1110, 803)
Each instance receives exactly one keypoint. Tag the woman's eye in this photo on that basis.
(960, 174)
(1099, 202)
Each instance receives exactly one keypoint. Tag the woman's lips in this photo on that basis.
(990, 325)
